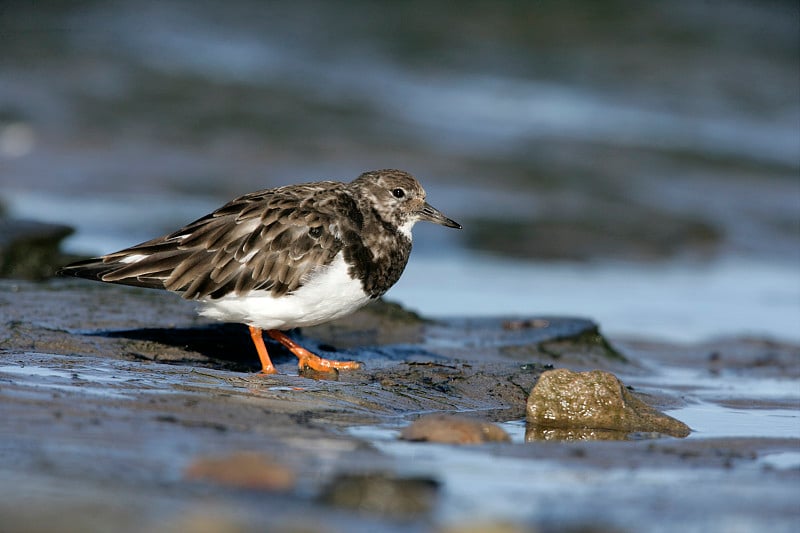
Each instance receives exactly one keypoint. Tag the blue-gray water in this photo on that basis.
(634, 162)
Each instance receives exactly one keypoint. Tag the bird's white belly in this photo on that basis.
(331, 293)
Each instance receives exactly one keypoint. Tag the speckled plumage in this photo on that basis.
(276, 241)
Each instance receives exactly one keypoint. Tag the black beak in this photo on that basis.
(431, 214)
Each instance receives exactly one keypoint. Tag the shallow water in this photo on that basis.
(678, 301)
(781, 460)
(487, 486)
(517, 488)
(708, 420)
(710, 410)
(721, 387)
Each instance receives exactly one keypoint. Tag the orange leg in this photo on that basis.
(266, 364)
(306, 358)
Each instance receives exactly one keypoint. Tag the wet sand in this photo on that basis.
(121, 409)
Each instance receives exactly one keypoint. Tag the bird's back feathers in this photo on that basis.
(269, 240)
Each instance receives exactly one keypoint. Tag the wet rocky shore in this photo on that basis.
(120, 407)
(614, 160)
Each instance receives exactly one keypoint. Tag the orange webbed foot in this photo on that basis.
(311, 360)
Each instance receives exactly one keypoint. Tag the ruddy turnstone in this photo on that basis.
(281, 258)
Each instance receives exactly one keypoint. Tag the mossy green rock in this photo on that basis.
(30, 249)
(595, 400)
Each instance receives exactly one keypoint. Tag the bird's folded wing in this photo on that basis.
(269, 240)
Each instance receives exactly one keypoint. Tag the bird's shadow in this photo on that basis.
(225, 345)
(229, 346)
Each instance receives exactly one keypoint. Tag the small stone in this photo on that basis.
(452, 429)
(382, 494)
(595, 400)
(247, 470)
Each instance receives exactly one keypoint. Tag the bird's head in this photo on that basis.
(399, 199)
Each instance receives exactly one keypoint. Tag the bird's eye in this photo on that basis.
(398, 193)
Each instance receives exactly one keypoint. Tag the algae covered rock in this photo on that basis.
(30, 249)
(592, 403)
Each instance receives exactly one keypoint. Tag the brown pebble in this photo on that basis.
(453, 429)
(248, 470)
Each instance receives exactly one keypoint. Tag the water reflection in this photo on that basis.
(535, 433)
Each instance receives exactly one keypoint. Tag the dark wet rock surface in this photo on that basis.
(120, 399)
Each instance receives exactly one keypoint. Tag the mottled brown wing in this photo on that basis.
(269, 240)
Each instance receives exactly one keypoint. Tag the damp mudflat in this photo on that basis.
(115, 401)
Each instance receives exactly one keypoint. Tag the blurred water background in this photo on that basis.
(637, 163)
